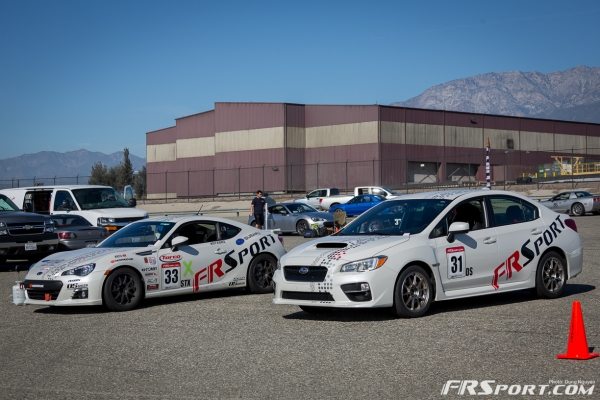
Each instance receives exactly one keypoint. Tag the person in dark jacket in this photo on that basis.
(257, 209)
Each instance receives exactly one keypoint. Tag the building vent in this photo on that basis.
(510, 144)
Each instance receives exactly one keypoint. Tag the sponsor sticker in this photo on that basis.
(170, 257)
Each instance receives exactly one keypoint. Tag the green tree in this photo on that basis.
(124, 171)
(139, 183)
(99, 175)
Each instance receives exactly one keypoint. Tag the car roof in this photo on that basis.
(187, 218)
(51, 187)
(455, 194)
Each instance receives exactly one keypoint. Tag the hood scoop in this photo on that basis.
(331, 245)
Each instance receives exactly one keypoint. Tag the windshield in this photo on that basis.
(396, 217)
(138, 234)
(95, 198)
(297, 208)
(6, 204)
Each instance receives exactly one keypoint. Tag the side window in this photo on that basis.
(198, 232)
(228, 231)
(323, 193)
(334, 191)
(278, 210)
(471, 211)
(63, 201)
(562, 196)
(313, 194)
(507, 210)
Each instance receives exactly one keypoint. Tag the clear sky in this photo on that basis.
(100, 74)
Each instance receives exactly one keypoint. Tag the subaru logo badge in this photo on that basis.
(27, 227)
(303, 270)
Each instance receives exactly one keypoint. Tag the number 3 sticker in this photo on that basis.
(170, 275)
(456, 262)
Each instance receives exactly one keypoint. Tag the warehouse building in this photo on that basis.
(240, 147)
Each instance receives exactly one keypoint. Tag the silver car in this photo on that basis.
(575, 202)
(295, 217)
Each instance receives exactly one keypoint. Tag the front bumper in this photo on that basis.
(338, 289)
(17, 248)
(62, 291)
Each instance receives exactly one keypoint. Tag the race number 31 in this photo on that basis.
(456, 262)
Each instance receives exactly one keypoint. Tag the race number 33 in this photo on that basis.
(456, 262)
(170, 275)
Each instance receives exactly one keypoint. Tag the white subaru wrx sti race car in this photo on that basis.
(157, 257)
(407, 252)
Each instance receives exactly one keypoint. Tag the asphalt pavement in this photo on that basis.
(235, 345)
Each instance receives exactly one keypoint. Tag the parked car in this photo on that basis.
(575, 202)
(294, 217)
(406, 253)
(314, 197)
(24, 235)
(157, 257)
(75, 232)
(358, 204)
(327, 202)
(100, 205)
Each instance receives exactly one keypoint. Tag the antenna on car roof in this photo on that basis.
(199, 213)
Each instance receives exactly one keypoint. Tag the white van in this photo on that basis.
(100, 205)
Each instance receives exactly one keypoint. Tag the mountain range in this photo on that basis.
(50, 164)
(571, 95)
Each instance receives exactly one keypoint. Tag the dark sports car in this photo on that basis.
(75, 232)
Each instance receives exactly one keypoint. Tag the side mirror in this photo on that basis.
(178, 241)
(456, 228)
(132, 202)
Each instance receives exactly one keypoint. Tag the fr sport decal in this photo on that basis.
(513, 263)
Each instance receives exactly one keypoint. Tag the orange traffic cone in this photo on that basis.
(577, 346)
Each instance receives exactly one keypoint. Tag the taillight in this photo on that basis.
(571, 224)
(66, 235)
(320, 201)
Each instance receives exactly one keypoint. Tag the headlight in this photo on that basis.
(368, 264)
(105, 221)
(81, 270)
(3, 229)
(318, 219)
(49, 226)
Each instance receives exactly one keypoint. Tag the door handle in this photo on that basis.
(536, 231)
(489, 240)
(219, 251)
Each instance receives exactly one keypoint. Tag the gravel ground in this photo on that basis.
(235, 345)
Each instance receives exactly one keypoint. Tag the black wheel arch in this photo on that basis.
(561, 253)
(112, 271)
(427, 269)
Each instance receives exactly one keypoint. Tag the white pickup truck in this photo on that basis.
(100, 205)
(327, 197)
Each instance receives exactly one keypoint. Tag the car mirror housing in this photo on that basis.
(456, 228)
(178, 241)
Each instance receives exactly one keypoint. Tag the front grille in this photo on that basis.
(25, 229)
(127, 220)
(317, 296)
(314, 274)
(39, 290)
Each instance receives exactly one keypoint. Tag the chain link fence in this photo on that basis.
(408, 174)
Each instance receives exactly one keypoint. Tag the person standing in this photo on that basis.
(257, 209)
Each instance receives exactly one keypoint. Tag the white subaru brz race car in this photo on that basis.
(407, 252)
(157, 257)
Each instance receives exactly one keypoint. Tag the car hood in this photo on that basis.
(318, 214)
(335, 250)
(12, 217)
(125, 212)
(105, 258)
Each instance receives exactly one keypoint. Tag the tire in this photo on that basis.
(551, 276)
(301, 227)
(577, 209)
(2, 260)
(413, 293)
(122, 290)
(260, 274)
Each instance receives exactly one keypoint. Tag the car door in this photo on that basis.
(561, 202)
(468, 261)
(352, 206)
(315, 197)
(277, 218)
(199, 264)
(519, 230)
